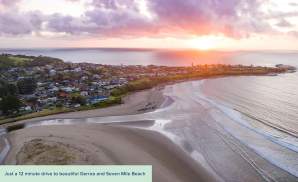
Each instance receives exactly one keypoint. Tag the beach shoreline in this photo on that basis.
(97, 144)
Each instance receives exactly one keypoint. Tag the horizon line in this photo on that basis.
(152, 49)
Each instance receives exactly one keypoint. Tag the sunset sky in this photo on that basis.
(199, 24)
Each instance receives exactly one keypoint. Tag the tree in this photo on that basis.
(78, 99)
(27, 85)
(7, 89)
(9, 104)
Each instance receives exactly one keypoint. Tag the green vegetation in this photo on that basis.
(27, 85)
(58, 110)
(42, 61)
(10, 61)
(142, 84)
(21, 61)
(7, 89)
(147, 83)
(107, 103)
(45, 112)
(10, 104)
(77, 98)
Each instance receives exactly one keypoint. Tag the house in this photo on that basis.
(52, 99)
(79, 69)
(96, 76)
(97, 99)
(52, 72)
(77, 106)
(26, 109)
(63, 94)
(84, 78)
(49, 66)
(67, 89)
(54, 89)
(84, 93)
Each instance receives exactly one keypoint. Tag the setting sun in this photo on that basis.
(205, 42)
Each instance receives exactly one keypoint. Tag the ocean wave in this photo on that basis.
(255, 138)
(287, 135)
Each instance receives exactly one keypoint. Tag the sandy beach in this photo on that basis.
(99, 144)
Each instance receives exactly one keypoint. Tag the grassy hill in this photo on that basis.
(9, 61)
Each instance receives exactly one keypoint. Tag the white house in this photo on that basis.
(84, 93)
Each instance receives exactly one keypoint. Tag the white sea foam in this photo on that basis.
(257, 139)
(287, 141)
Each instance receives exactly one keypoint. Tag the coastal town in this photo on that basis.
(149, 90)
(31, 84)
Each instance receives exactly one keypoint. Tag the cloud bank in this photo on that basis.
(104, 18)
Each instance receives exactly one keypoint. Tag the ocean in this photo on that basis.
(268, 104)
(119, 56)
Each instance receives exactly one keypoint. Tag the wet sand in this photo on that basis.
(103, 144)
